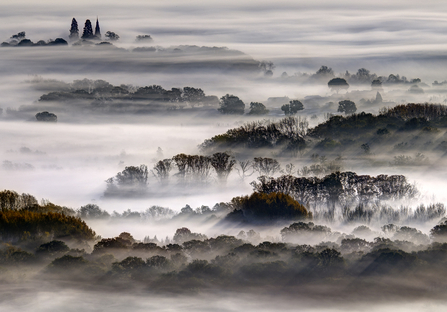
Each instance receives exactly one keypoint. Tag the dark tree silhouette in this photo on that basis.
(46, 116)
(292, 108)
(231, 104)
(266, 166)
(88, 31)
(74, 30)
(97, 30)
(258, 109)
(112, 36)
(376, 84)
(347, 107)
(19, 36)
(338, 84)
(223, 165)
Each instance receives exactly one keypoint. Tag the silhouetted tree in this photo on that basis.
(292, 108)
(46, 116)
(74, 30)
(97, 30)
(338, 84)
(266, 166)
(112, 36)
(88, 31)
(347, 107)
(258, 109)
(231, 104)
(376, 84)
(223, 164)
(162, 169)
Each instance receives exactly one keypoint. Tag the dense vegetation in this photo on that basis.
(305, 254)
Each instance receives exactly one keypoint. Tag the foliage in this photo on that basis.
(88, 30)
(231, 104)
(74, 30)
(337, 84)
(344, 188)
(14, 223)
(288, 132)
(292, 108)
(258, 109)
(112, 36)
(130, 182)
(46, 116)
(268, 207)
(346, 106)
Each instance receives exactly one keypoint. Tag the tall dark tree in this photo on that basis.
(97, 30)
(74, 30)
(88, 30)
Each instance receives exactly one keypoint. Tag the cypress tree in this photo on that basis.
(97, 30)
(74, 30)
(88, 30)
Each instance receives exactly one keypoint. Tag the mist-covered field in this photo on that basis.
(223, 156)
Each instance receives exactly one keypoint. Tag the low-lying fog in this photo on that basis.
(68, 162)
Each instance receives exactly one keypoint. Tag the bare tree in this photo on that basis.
(266, 166)
(244, 167)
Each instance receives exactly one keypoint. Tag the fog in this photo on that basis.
(226, 48)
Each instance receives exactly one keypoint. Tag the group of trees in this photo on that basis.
(195, 261)
(344, 189)
(22, 219)
(20, 40)
(287, 133)
(262, 207)
(99, 90)
(231, 104)
(133, 180)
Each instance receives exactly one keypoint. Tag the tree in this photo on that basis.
(143, 38)
(162, 169)
(92, 211)
(347, 107)
(338, 84)
(131, 181)
(20, 36)
(231, 104)
(273, 206)
(376, 84)
(292, 108)
(223, 165)
(245, 166)
(74, 30)
(193, 95)
(266, 166)
(88, 31)
(258, 109)
(439, 232)
(46, 116)
(112, 36)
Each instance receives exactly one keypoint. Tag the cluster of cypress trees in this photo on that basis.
(88, 30)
